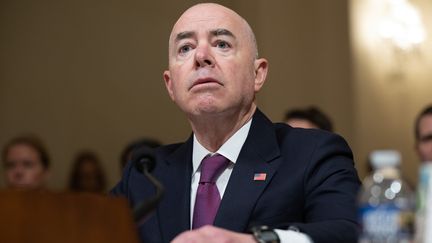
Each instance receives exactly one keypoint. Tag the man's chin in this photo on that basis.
(206, 107)
(202, 111)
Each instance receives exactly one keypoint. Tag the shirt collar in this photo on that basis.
(230, 149)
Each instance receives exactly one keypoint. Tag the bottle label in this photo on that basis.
(386, 223)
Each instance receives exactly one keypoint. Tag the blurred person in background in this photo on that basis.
(26, 163)
(310, 117)
(128, 150)
(87, 174)
(423, 134)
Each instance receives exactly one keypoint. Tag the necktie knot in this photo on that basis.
(212, 167)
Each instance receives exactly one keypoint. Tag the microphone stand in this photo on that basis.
(142, 210)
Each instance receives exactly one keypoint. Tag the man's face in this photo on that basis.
(212, 65)
(424, 143)
(23, 168)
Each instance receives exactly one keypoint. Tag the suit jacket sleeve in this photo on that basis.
(330, 189)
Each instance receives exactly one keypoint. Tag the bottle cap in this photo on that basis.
(385, 158)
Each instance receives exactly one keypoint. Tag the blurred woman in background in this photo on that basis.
(26, 163)
(87, 174)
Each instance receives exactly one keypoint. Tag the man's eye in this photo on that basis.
(426, 138)
(185, 49)
(222, 45)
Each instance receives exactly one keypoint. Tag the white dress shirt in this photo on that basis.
(231, 150)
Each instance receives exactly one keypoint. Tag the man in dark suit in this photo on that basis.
(239, 171)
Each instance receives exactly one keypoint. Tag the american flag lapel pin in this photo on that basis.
(260, 176)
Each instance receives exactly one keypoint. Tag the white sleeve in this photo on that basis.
(291, 236)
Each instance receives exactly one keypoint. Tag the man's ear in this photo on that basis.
(168, 83)
(261, 69)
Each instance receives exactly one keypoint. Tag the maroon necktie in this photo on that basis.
(207, 198)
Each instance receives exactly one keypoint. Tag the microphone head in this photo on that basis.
(143, 159)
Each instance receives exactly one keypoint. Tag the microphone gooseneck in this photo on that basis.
(144, 161)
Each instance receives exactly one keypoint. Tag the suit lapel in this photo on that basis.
(174, 210)
(256, 157)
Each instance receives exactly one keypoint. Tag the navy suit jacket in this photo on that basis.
(311, 183)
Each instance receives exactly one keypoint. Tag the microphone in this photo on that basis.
(143, 159)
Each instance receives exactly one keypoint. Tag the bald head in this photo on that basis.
(213, 65)
(211, 11)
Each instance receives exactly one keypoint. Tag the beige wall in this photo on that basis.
(390, 87)
(88, 74)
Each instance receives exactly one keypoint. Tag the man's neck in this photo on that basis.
(213, 131)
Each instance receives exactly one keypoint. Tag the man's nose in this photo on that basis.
(18, 174)
(204, 56)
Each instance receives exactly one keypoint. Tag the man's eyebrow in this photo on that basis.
(218, 32)
(189, 34)
(184, 35)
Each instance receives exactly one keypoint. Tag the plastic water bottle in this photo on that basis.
(386, 203)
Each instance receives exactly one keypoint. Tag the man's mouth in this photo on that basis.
(202, 81)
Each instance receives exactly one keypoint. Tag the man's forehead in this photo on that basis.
(208, 11)
(206, 17)
(426, 123)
